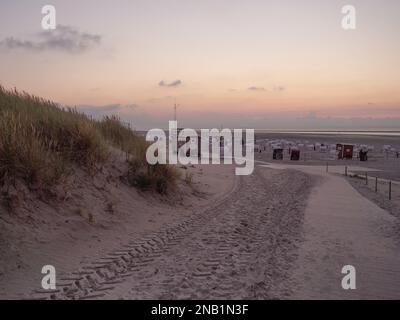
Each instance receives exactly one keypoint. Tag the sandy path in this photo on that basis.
(344, 228)
(241, 247)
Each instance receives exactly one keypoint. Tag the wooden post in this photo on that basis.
(345, 171)
(390, 190)
(376, 184)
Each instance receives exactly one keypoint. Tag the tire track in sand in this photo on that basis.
(241, 247)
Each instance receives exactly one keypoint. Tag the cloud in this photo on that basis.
(109, 109)
(175, 83)
(63, 38)
(253, 88)
(279, 88)
(275, 88)
(132, 106)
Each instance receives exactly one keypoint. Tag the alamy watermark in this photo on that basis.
(349, 280)
(185, 146)
(49, 280)
(349, 21)
(49, 19)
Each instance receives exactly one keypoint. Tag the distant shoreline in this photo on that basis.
(382, 133)
(332, 132)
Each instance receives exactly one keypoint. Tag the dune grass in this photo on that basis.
(140, 173)
(40, 142)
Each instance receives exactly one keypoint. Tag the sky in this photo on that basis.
(284, 64)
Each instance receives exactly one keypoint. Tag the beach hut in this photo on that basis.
(295, 154)
(348, 151)
(363, 154)
(310, 147)
(339, 149)
(332, 155)
(386, 147)
(277, 154)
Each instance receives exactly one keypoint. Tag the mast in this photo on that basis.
(175, 108)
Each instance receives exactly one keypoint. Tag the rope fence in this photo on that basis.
(379, 185)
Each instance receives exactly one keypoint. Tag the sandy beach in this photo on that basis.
(284, 232)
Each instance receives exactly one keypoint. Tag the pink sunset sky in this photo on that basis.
(284, 64)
